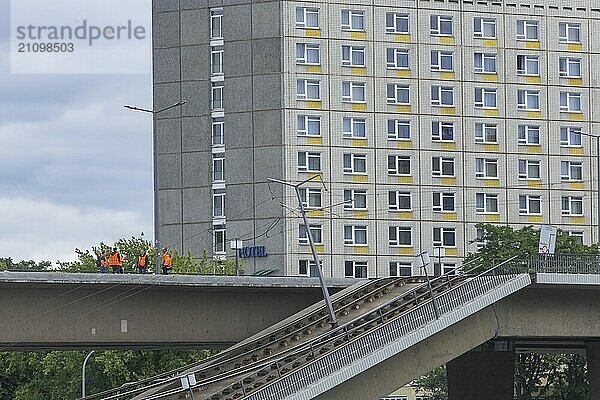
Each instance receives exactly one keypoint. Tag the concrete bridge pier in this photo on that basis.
(480, 375)
(593, 364)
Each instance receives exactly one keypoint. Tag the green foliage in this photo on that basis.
(186, 264)
(30, 265)
(435, 383)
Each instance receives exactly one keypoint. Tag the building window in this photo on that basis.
(442, 96)
(398, 94)
(219, 239)
(442, 166)
(308, 267)
(311, 197)
(528, 65)
(308, 89)
(309, 161)
(355, 199)
(528, 135)
(398, 129)
(530, 170)
(442, 61)
(570, 136)
(217, 95)
(218, 131)
(571, 171)
(444, 237)
(396, 23)
(218, 167)
(528, 30)
(399, 165)
(486, 203)
(216, 24)
(216, 60)
(440, 25)
(400, 236)
(355, 164)
(355, 235)
(307, 17)
(445, 269)
(570, 102)
(444, 202)
(571, 206)
(569, 32)
(353, 56)
(577, 236)
(355, 269)
(486, 98)
(399, 268)
(308, 54)
(484, 63)
(480, 240)
(355, 128)
(486, 168)
(315, 230)
(397, 58)
(486, 133)
(528, 100)
(399, 201)
(484, 28)
(309, 125)
(353, 20)
(219, 203)
(353, 92)
(442, 131)
(530, 205)
(569, 67)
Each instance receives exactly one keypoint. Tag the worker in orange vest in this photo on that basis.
(115, 260)
(167, 261)
(142, 263)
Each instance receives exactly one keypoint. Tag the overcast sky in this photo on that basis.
(75, 167)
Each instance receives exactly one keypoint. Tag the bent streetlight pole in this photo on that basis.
(83, 373)
(157, 269)
(333, 319)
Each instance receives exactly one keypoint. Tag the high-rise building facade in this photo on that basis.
(422, 117)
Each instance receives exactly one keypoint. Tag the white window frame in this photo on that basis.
(578, 235)
(394, 236)
(218, 170)
(305, 158)
(442, 241)
(354, 92)
(486, 98)
(569, 171)
(396, 268)
(571, 102)
(350, 18)
(394, 162)
(354, 123)
(441, 163)
(438, 130)
(352, 195)
(568, 135)
(439, 204)
(218, 198)
(216, 24)
(303, 86)
(219, 239)
(305, 124)
(437, 95)
(398, 90)
(396, 127)
(354, 159)
(531, 65)
(567, 67)
(565, 29)
(217, 99)
(568, 206)
(216, 60)
(303, 50)
(312, 198)
(315, 229)
(483, 168)
(356, 266)
(523, 33)
(480, 65)
(438, 25)
(526, 135)
(479, 27)
(393, 23)
(351, 232)
(303, 20)
(483, 131)
(526, 202)
(348, 54)
(525, 95)
(526, 168)
(218, 131)
(393, 57)
(439, 60)
(309, 265)
(487, 203)
(395, 198)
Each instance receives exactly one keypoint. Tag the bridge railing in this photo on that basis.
(565, 264)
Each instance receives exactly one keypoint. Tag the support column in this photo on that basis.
(593, 368)
(477, 375)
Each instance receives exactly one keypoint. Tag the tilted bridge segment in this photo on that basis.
(392, 330)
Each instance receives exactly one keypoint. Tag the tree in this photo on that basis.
(435, 383)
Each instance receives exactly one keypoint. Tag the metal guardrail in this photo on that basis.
(564, 264)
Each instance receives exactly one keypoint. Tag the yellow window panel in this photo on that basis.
(491, 112)
(406, 251)
(312, 32)
(360, 178)
(360, 214)
(314, 104)
(535, 80)
(449, 181)
(534, 114)
(535, 219)
(359, 142)
(534, 184)
(403, 38)
(314, 140)
(361, 249)
(316, 213)
(359, 35)
(447, 75)
(404, 144)
(449, 217)
(492, 182)
(532, 45)
(451, 252)
(490, 43)
(449, 146)
(405, 215)
(534, 149)
(492, 217)
(404, 108)
(578, 220)
(491, 147)
(490, 77)
(448, 110)
(359, 71)
(315, 69)
(575, 47)
(449, 40)
(575, 82)
(577, 185)
(359, 107)
(405, 180)
(403, 73)
(576, 151)
(576, 116)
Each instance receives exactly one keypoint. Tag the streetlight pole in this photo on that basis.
(333, 319)
(83, 373)
(157, 269)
